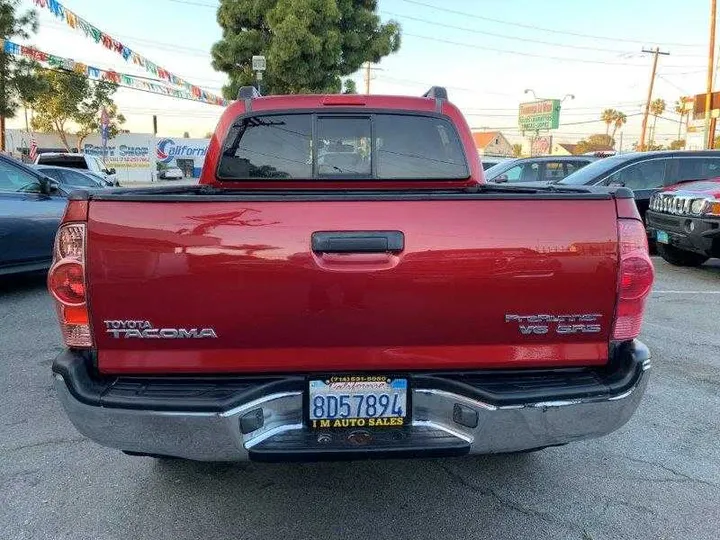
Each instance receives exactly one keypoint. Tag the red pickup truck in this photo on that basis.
(684, 220)
(343, 284)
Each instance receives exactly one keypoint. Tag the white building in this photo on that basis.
(135, 156)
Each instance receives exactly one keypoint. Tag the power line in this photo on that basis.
(505, 51)
(505, 36)
(520, 53)
(533, 27)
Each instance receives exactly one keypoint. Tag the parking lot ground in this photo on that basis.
(656, 478)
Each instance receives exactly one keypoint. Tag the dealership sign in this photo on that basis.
(167, 150)
(541, 114)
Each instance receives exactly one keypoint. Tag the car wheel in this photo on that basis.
(680, 257)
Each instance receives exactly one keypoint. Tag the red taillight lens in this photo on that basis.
(635, 279)
(66, 282)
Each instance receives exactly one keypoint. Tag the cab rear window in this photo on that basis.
(342, 146)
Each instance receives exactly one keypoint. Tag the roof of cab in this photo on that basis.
(319, 101)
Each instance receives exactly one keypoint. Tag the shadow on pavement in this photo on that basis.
(341, 499)
(29, 282)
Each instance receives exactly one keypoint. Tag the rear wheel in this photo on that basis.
(680, 257)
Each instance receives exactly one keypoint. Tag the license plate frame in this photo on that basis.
(354, 422)
(662, 237)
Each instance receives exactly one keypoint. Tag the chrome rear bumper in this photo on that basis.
(443, 423)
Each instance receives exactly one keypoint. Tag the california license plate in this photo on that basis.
(662, 237)
(348, 401)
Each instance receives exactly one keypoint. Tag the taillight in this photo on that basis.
(635, 279)
(66, 283)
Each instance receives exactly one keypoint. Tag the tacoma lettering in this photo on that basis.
(140, 329)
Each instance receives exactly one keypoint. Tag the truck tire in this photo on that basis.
(680, 257)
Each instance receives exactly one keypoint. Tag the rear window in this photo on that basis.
(322, 146)
(73, 162)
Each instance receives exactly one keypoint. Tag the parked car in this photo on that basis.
(70, 179)
(548, 169)
(381, 303)
(171, 173)
(684, 220)
(491, 161)
(31, 205)
(648, 172)
(79, 161)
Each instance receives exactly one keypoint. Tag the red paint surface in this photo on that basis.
(247, 270)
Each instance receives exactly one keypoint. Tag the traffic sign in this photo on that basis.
(258, 63)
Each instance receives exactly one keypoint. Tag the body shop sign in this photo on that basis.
(122, 155)
(541, 114)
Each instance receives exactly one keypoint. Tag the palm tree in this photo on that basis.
(657, 107)
(607, 116)
(619, 120)
(680, 109)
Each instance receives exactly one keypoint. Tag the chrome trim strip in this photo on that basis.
(456, 397)
(258, 402)
(440, 427)
(271, 433)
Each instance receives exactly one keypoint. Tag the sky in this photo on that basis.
(486, 53)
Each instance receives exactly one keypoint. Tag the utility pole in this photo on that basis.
(711, 63)
(367, 78)
(656, 52)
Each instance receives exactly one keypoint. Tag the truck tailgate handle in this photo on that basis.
(358, 241)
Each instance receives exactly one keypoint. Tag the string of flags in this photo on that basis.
(94, 73)
(81, 25)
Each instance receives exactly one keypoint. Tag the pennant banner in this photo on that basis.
(122, 79)
(81, 25)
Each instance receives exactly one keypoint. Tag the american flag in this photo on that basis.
(33, 148)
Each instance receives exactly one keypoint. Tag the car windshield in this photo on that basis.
(498, 169)
(594, 171)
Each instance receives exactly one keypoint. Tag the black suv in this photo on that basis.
(647, 172)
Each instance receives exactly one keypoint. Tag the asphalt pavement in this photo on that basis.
(657, 478)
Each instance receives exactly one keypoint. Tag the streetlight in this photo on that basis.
(531, 91)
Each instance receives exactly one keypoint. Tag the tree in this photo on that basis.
(595, 143)
(651, 146)
(308, 44)
(619, 119)
(28, 84)
(349, 87)
(657, 107)
(74, 100)
(608, 116)
(12, 25)
(680, 109)
(186, 135)
(209, 135)
(517, 150)
(677, 144)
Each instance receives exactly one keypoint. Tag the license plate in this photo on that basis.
(348, 401)
(662, 237)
